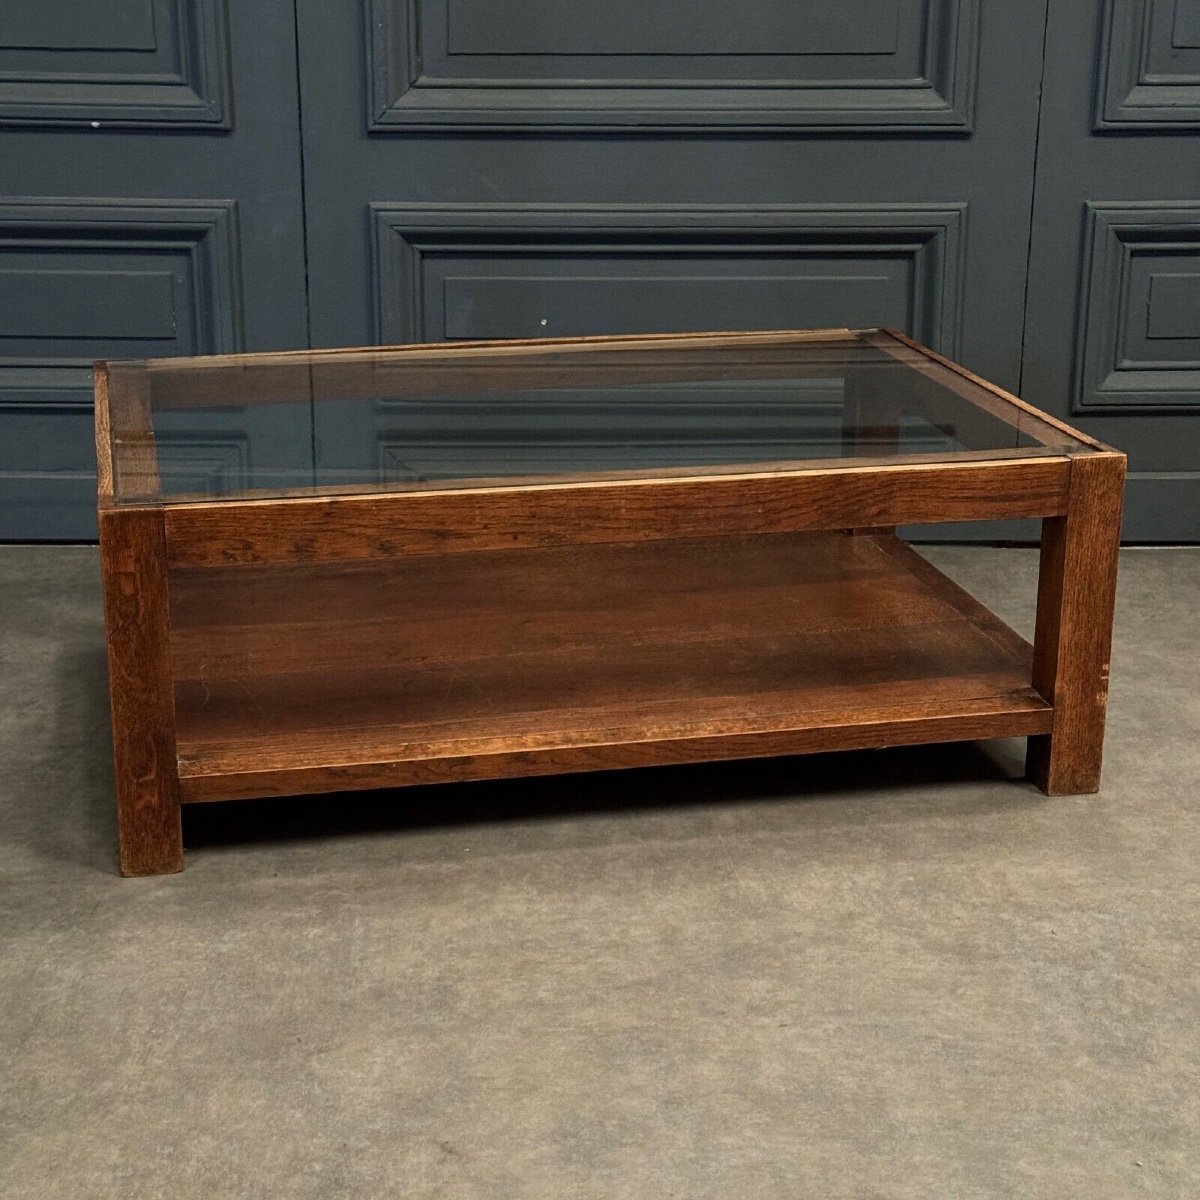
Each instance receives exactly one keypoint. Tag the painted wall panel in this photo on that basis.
(125, 63)
(515, 271)
(1112, 333)
(1149, 65)
(1139, 339)
(685, 64)
(138, 217)
(96, 25)
(85, 279)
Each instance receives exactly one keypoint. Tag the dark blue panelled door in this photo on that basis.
(474, 169)
(150, 204)
(1113, 339)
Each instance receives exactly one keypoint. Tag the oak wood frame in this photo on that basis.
(1077, 493)
(133, 564)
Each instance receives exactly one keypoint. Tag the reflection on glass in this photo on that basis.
(433, 417)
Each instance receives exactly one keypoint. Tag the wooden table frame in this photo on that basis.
(1077, 495)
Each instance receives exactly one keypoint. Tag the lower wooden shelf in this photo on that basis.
(315, 678)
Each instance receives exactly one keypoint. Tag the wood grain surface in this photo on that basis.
(329, 676)
(133, 564)
(1076, 597)
(326, 529)
(104, 470)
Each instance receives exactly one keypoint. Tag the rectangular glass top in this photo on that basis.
(500, 414)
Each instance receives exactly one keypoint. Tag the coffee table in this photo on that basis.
(347, 569)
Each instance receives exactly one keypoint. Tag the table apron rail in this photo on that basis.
(335, 528)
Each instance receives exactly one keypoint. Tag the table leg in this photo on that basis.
(1076, 593)
(133, 562)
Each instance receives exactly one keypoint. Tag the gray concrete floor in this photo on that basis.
(895, 974)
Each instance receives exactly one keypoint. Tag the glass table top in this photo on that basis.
(428, 417)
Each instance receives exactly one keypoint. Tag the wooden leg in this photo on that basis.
(133, 561)
(1076, 593)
